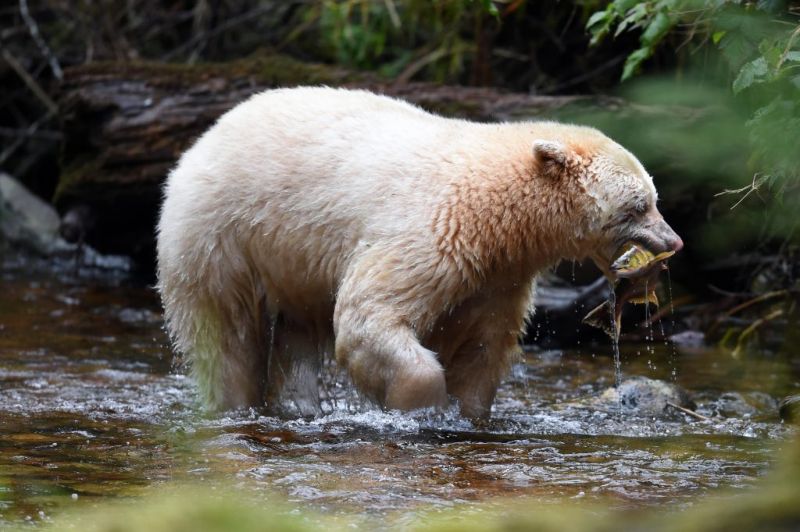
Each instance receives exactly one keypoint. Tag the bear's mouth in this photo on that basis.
(647, 243)
(605, 261)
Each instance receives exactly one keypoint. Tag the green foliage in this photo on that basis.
(754, 71)
(654, 19)
(747, 56)
(399, 38)
(359, 42)
(760, 48)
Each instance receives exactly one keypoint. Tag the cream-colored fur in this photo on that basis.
(313, 216)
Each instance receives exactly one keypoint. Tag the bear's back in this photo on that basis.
(314, 149)
(325, 104)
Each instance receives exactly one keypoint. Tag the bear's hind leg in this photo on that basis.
(218, 325)
(244, 376)
(293, 368)
(224, 348)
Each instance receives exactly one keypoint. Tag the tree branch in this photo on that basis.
(33, 28)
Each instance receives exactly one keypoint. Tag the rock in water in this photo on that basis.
(26, 220)
(744, 405)
(30, 225)
(688, 339)
(646, 397)
(790, 409)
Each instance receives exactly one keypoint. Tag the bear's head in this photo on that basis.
(612, 195)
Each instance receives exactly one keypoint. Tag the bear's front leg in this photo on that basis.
(475, 374)
(483, 333)
(385, 360)
(376, 344)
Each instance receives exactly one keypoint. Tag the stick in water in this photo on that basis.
(689, 412)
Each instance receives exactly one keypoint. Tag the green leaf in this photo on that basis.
(773, 7)
(657, 28)
(597, 17)
(636, 14)
(599, 24)
(772, 50)
(750, 73)
(489, 6)
(792, 56)
(717, 35)
(622, 26)
(633, 62)
(623, 6)
(736, 48)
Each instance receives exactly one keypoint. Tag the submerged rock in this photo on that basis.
(790, 409)
(645, 397)
(743, 405)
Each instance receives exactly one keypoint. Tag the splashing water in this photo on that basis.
(615, 340)
(673, 353)
(649, 336)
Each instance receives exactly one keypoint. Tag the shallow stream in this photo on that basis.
(91, 408)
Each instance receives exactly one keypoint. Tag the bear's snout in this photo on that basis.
(656, 235)
(669, 238)
(676, 243)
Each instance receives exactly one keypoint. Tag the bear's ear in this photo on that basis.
(549, 152)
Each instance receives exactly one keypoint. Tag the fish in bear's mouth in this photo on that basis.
(634, 276)
(637, 261)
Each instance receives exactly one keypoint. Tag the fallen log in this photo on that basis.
(125, 125)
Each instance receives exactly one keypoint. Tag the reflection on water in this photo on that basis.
(91, 408)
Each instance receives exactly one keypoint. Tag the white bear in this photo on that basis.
(315, 217)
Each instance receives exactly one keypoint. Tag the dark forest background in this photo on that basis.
(100, 97)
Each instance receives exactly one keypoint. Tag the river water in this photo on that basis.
(91, 409)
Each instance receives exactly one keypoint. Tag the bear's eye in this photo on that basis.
(640, 207)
